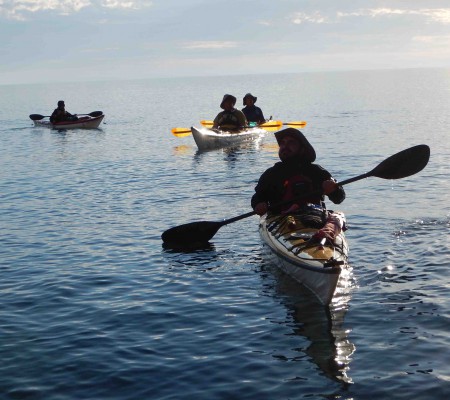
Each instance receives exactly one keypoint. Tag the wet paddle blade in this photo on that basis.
(181, 132)
(94, 114)
(191, 233)
(271, 126)
(296, 124)
(36, 117)
(207, 124)
(404, 163)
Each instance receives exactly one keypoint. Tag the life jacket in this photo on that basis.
(299, 185)
(229, 120)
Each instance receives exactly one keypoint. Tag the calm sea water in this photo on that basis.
(92, 306)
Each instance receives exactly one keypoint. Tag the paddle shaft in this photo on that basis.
(283, 203)
(37, 117)
(183, 132)
(400, 165)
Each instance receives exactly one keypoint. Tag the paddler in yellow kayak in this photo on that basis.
(230, 119)
(296, 175)
(252, 113)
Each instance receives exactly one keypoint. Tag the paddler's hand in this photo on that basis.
(329, 186)
(261, 208)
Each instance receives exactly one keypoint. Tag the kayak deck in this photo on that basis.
(317, 266)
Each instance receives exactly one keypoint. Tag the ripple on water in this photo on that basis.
(93, 307)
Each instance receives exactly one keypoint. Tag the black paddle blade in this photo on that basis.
(96, 113)
(404, 163)
(192, 233)
(36, 117)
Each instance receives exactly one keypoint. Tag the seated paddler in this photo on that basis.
(60, 114)
(253, 113)
(230, 119)
(297, 185)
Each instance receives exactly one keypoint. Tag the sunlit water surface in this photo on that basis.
(93, 307)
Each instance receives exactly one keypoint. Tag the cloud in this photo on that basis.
(440, 40)
(210, 45)
(265, 23)
(21, 9)
(15, 9)
(130, 4)
(314, 18)
(440, 15)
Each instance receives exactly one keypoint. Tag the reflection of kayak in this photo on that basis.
(208, 139)
(80, 123)
(330, 347)
(318, 267)
(323, 328)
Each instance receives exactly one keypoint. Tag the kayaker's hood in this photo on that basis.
(310, 153)
(226, 97)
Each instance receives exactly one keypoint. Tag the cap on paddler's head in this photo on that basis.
(310, 153)
(251, 96)
(60, 102)
(228, 97)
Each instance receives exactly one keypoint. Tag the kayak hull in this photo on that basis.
(209, 139)
(81, 123)
(317, 267)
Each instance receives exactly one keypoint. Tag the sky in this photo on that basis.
(87, 40)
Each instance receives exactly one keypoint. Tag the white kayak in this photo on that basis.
(81, 123)
(209, 139)
(317, 267)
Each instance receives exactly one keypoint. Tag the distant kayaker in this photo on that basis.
(230, 118)
(296, 175)
(252, 113)
(60, 114)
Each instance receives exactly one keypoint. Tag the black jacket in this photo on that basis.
(60, 115)
(253, 114)
(293, 178)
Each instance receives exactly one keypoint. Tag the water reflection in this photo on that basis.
(186, 249)
(407, 247)
(203, 257)
(270, 148)
(235, 151)
(330, 348)
(183, 150)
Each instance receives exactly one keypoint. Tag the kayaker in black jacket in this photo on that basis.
(251, 112)
(293, 176)
(230, 118)
(60, 114)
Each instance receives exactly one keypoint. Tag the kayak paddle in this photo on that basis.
(38, 117)
(182, 132)
(267, 124)
(400, 165)
(295, 124)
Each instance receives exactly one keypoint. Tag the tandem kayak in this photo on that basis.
(318, 267)
(209, 139)
(81, 123)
